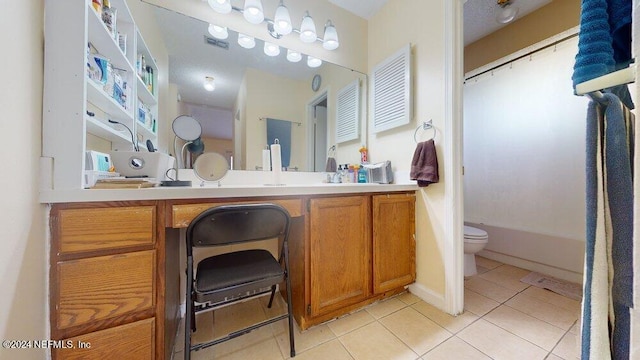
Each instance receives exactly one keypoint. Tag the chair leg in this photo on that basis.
(187, 329)
(273, 292)
(289, 305)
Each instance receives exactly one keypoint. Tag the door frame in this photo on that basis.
(454, 195)
(324, 94)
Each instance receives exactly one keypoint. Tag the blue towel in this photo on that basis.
(595, 50)
(281, 130)
(610, 151)
(593, 119)
(619, 148)
(620, 25)
(604, 44)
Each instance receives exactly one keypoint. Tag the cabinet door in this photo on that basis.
(340, 252)
(394, 249)
(132, 341)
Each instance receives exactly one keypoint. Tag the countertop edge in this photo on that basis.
(162, 193)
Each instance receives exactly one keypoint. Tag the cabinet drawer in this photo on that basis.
(183, 214)
(104, 287)
(105, 228)
(131, 341)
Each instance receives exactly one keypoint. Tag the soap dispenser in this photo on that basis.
(362, 175)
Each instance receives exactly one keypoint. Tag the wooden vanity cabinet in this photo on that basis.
(361, 248)
(104, 280)
(340, 250)
(394, 241)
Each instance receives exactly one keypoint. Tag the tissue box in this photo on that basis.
(152, 165)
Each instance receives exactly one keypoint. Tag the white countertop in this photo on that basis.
(235, 184)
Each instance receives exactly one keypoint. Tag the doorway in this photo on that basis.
(317, 133)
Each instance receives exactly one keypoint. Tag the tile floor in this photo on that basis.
(503, 319)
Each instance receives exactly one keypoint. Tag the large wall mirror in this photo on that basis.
(253, 89)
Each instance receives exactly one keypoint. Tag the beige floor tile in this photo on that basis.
(266, 350)
(252, 339)
(575, 329)
(237, 316)
(374, 342)
(204, 328)
(350, 322)
(452, 323)
(333, 350)
(487, 263)
(384, 308)
(568, 348)
(527, 327)
(544, 311)
(177, 356)
(408, 298)
(553, 357)
(507, 276)
(498, 343)
(553, 298)
(305, 340)
(481, 270)
(415, 330)
(477, 303)
(454, 345)
(278, 307)
(489, 289)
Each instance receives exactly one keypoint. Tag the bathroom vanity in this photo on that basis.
(115, 264)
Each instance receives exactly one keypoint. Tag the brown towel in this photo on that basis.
(331, 165)
(424, 166)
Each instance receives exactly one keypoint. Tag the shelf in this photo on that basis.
(100, 38)
(102, 129)
(144, 94)
(620, 77)
(145, 131)
(106, 103)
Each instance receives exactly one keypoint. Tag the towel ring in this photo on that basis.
(331, 151)
(427, 125)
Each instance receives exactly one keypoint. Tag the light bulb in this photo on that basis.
(313, 62)
(308, 29)
(209, 85)
(220, 6)
(219, 32)
(293, 56)
(506, 12)
(271, 49)
(246, 42)
(253, 11)
(330, 41)
(282, 20)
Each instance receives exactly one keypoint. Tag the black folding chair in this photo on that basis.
(226, 278)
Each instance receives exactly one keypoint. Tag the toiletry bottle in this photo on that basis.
(351, 174)
(362, 175)
(345, 174)
(364, 155)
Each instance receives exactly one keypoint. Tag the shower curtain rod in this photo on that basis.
(522, 56)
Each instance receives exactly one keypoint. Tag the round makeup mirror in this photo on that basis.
(186, 128)
(210, 166)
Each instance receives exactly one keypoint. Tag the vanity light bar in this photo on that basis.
(306, 32)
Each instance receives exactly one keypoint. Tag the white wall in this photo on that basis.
(23, 252)
(420, 23)
(524, 158)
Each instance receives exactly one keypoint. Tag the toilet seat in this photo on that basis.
(472, 234)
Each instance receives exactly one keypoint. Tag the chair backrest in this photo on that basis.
(231, 224)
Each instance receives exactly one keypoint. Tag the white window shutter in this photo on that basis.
(348, 112)
(391, 88)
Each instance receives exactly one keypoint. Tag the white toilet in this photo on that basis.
(474, 240)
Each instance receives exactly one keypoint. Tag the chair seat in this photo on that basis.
(232, 275)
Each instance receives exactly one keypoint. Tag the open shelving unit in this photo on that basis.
(76, 105)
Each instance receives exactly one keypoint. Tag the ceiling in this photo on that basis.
(191, 60)
(479, 17)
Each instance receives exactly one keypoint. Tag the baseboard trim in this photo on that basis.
(428, 296)
(533, 266)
